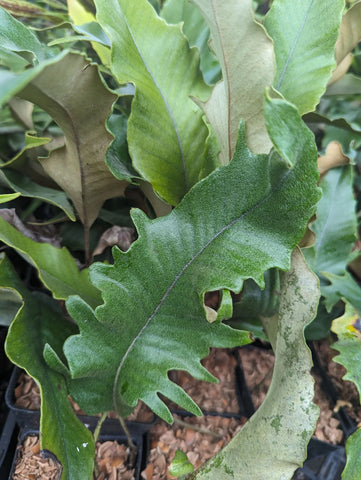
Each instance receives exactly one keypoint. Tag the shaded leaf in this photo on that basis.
(341, 287)
(117, 156)
(304, 48)
(336, 120)
(273, 443)
(23, 8)
(349, 36)
(246, 71)
(57, 268)
(72, 92)
(334, 157)
(39, 322)
(12, 82)
(201, 246)
(10, 303)
(22, 111)
(28, 188)
(197, 32)
(166, 133)
(39, 236)
(349, 85)
(31, 141)
(335, 226)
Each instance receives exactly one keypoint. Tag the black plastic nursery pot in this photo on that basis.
(8, 441)
(243, 395)
(324, 461)
(30, 419)
(108, 433)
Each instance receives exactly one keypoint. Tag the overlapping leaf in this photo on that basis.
(72, 92)
(153, 316)
(348, 38)
(57, 269)
(41, 321)
(166, 133)
(348, 331)
(273, 442)
(247, 71)
(197, 31)
(336, 224)
(304, 35)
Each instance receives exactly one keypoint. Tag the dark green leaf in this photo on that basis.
(201, 246)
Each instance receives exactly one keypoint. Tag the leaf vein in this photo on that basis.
(187, 265)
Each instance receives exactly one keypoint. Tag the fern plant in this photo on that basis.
(213, 143)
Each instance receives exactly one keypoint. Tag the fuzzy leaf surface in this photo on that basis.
(16, 37)
(246, 72)
(204, 244)
(304, 47)
(273, 443)
(40, 321)
(72, 92)
(166, 133)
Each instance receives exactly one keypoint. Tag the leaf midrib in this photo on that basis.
(179, 275)
(167, 106)
(226, 80)
(298, 35)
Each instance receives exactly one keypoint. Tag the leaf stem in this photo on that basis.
(133, 448)
(196, 428)
(99, 426)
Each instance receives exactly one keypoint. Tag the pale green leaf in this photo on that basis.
(336, 224)
(341, 287)
(57, 268)
(16, 37)
(245, 53)
(273, 443)
(166, 133)
(304, 34)
(353, 463)
(348, 85)
(348, 331)
(7, 197)
(202, 245)
(197, 31)
(72, 92)
(10, 303)
(41, 321)
(84, 22)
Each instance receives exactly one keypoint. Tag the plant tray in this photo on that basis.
(8, 440)
(141, 441)
(30, 419)
(243, 395)
(324, 462)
